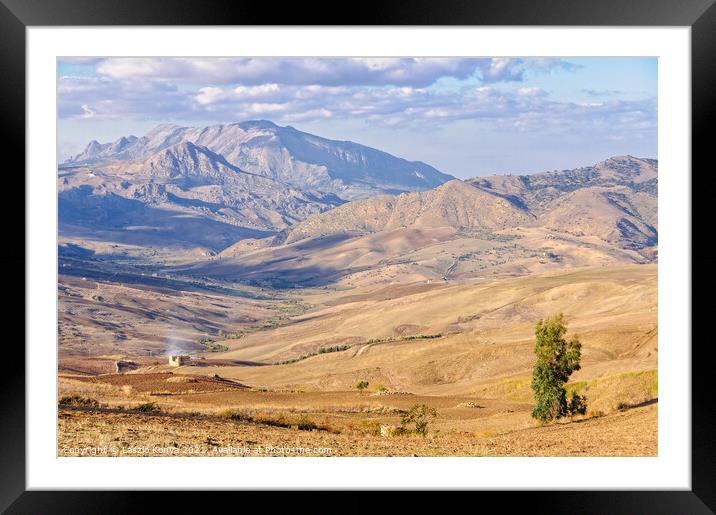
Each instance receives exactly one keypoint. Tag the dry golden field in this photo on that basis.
(462, 347)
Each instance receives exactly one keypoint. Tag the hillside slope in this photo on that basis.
(485, 227)
(455, 204)
(182, 196)
(486, 332)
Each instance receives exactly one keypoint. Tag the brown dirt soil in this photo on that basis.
(164, 382)
(631, 432)
(83, 365)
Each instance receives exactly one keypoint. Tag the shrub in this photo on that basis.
(362, 385)
(210, 345)
(77, 400)
(418, 416)
(577, 404)
(233, 414)
(370, 427)
(146, 407)
(556, 359)
(275, 422)
(305, 424)
(230, 336)
(335, 348)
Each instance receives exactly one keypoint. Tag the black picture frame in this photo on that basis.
(700, 15)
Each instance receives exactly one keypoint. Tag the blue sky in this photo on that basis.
(465, 116)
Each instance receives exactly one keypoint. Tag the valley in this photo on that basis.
(464, 349)
(287, 269)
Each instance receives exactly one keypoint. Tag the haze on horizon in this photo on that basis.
(464, 116)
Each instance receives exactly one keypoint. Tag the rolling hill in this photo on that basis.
(614, 200)
(485, 227)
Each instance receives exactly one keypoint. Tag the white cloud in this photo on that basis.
(384, 91)
(253, 71)
(264, 107)
(404, 71)
(119, 99)
(531, 92)
(514, 69)
(523, 108)
(502, 69)
(209, 95)
(88, 112)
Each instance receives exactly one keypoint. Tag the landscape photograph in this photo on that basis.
(346, 256)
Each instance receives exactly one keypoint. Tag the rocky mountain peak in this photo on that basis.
(304, 161)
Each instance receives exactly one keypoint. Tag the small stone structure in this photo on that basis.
(178, 360)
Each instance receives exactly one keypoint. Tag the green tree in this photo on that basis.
(419, 416)
(556, 359)
(362, 385)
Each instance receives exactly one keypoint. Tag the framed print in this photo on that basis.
(444, 248)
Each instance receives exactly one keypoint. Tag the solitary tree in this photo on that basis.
(556, 359)
(362, 385)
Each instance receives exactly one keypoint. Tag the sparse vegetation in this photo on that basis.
(79, 401)
(294, 360)
(302, 424)
(341, 348)
(487, 388)
(619, 391)
(335, 348)
(279, 421)
(322, 350)
(160, 243)
(362, 385)
(577, 404)
(286, 310)
(556, 359)
(146, 407)
(234, 414)
(404, 338)
(418, 416)
(230, 335)
(305, 424)
(210, 345)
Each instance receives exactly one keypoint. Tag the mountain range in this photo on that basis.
(615, 200)
(207, 187)
(278, 206)
(484, 227)
(296, 158)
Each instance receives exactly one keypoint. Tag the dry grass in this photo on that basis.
(629, 433)
(352, 413)
(477, 375)
(607, 394)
